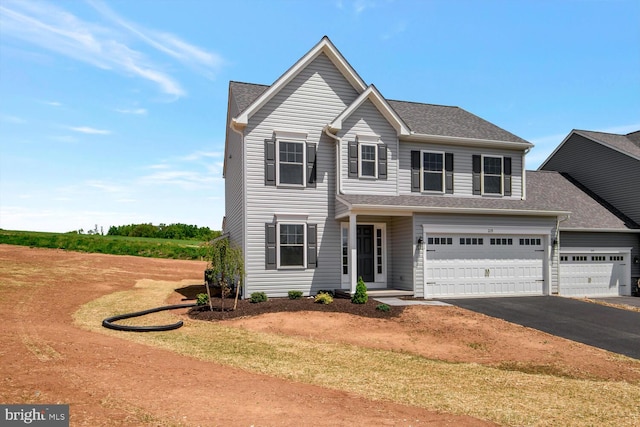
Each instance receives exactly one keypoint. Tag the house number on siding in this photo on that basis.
(490, 230)
(487, 272)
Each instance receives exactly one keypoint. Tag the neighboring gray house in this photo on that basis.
(607, 166)
(327, 181)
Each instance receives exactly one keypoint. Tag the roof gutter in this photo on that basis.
(473, 142)
(603, 230)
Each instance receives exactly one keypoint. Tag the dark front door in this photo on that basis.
(365, 252)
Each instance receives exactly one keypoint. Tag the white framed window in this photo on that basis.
(492, 175)
(432, 171)
(290, 160)
(292, 245)
(368, 160)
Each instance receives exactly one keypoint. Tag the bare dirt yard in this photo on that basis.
(110, 380)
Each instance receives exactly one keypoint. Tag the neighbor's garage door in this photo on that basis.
(483, 265)
(593, 274)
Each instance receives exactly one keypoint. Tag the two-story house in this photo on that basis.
(327, 181)
(607, 166)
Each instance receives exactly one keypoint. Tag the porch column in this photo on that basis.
(353, 252)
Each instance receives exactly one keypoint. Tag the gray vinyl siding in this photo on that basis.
(608, 173)
(462, 170)
(234, 184)
(573, 239)
(367, 120)
(306, 104)
(401, 252)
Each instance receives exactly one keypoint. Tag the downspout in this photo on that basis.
(557, 244)
(524, 174)
(244, 200)
(338, 156)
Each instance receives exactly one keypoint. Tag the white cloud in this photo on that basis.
(64, 138)
(198, 155)
(135, 111)
(52, 103)
(109, 188)
(90, 130)
(102, 45)
(12, 119)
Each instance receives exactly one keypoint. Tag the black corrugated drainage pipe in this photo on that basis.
(108, 322)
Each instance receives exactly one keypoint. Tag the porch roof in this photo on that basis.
(548, 194)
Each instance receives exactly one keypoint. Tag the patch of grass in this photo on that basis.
(477, 346)
(505, 396)
(533, 369)
(114, 245)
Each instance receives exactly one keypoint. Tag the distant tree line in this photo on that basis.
(164, 231)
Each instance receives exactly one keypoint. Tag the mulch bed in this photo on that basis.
(276, 305)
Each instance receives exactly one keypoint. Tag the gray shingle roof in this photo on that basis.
(546, 191)
(629, 143)
(443, 120)
(426, 119)
(246, 93)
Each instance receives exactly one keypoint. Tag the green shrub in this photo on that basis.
(323, 298)
(259, 297)
(330, 292)
(360, 297)
(295, 294)
(383, 307)
(202, 299)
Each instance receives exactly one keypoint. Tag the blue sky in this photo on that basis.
(113, 112)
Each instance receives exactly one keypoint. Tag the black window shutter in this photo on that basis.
(477, 170)
(415, 171)
(448, 173)
(269, 162)
(353, 159)
(382, 161)
(312, 246)
(270, 244)
(311, 165)
(507, 176)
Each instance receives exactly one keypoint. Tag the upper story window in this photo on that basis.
(492, 175)
(432, 171)
(289, 160)
(369, 160)
(290, 163)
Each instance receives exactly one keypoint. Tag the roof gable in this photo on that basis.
(628, 145)
(324, 46)
(372, 94)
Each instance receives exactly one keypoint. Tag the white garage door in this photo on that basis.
(593, 274)
(483, 265)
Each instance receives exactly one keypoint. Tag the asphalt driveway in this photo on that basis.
(600, 326)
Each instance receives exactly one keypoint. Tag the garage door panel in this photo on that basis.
(592, 274)
(507, 268)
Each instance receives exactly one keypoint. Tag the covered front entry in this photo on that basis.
(484, 265)
(369, 255)
(595, 272)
